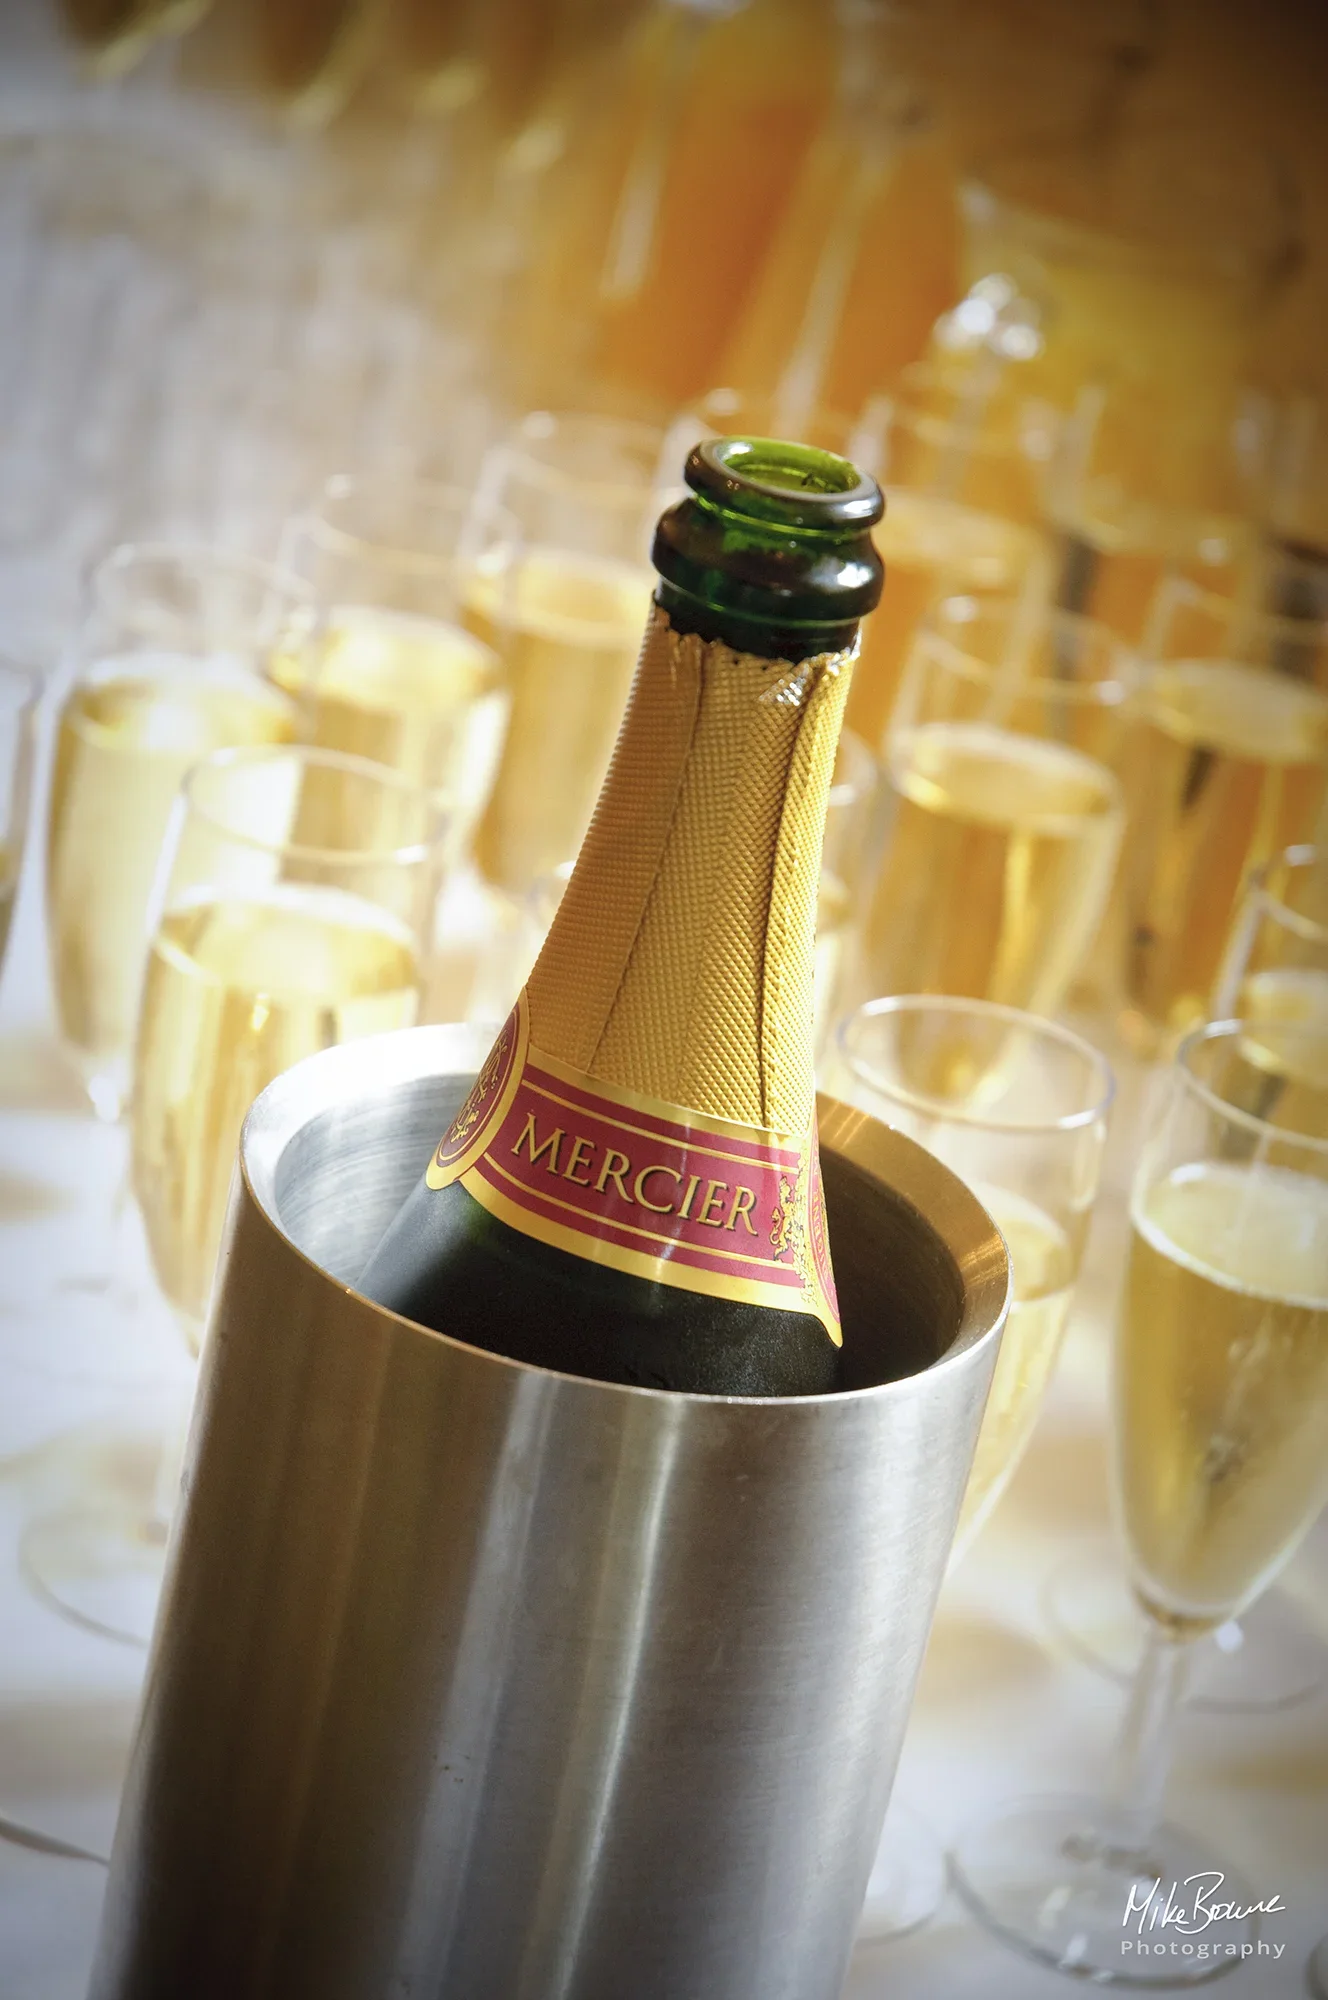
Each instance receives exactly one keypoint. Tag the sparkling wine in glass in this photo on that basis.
(1272, 612)
(1030, 1144)
(264, 949)
(1232, 769)
(1274, 971)
(566, 621)
(1006, 809)
(1275, 968)
(1221, 1398)
(394, 673)
(1029, 1141)
(171, 661)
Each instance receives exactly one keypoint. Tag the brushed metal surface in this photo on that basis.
(477, 1682)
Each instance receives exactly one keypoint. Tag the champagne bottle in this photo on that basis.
(632, 1189)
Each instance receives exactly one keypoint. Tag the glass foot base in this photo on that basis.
(907, 1879)
(97, 1557)
(1271, 1659)
(1045, 1876)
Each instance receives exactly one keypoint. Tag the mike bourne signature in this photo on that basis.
(1149, 1908)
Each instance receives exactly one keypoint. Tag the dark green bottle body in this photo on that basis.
(449, 1264)
(776, 572)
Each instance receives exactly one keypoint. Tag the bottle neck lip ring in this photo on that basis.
(784, 485)
(771, 550)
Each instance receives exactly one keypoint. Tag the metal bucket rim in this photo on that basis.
(412, 1055)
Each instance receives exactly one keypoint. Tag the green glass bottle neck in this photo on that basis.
(771, 552)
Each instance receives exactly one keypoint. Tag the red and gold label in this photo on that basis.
(699, 1203)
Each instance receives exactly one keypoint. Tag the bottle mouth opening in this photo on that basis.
(790, 485)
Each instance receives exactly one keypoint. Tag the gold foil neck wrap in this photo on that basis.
(680, 964)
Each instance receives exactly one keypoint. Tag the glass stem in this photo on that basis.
(1147, 1740)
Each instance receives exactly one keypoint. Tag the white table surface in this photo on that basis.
(1000, 1711)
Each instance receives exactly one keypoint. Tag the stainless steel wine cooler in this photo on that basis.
(477, 1682)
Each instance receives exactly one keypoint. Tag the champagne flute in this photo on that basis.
(1118, 552)
(1030, 1144)
(1232, 769)
(1006, 807)
(567, 624)
(1221, 1397)
(1276, 963)
(394, 674)
(933, 544)
(264, 949)
(1275, 971)
(634, 272)
(1272, 617)
(170, 662)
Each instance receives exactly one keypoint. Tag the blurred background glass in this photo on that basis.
(393, 673)
(273, 938)
(1029, 1141)
(264, 946)
(1275, 967)
(171, 661)
(1232, 766)
(1005, 805)
(1220, 1385)
(566, 622)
